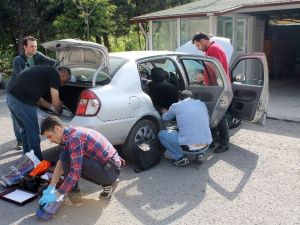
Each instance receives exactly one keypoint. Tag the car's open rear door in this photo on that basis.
(217, 94)
(250, 86)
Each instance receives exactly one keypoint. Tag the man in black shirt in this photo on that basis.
(26, 92)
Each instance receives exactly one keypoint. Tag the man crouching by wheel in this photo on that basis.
(192, 136)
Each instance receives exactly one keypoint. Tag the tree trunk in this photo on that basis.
(139, 38)
(20, 41)
(16, 45)
(106, 41)
(98, 39)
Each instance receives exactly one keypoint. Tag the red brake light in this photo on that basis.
(88, 105)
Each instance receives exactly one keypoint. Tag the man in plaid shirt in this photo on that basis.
(85, 153)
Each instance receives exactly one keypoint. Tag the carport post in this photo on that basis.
(233, 32)
(212, 24)
(150, 35)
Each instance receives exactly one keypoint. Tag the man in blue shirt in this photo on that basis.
(193, 128)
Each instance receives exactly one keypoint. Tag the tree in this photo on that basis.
(94, 22)
(27, 17)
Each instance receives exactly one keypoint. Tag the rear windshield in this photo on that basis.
(115, 64)
(84, 76)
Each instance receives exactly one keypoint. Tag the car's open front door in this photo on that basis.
(250, 86)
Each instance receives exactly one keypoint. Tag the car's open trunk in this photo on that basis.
(69, 95)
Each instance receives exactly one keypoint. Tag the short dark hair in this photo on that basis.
(185, 94)
(199, 36)
(64, 69)
(49, 123)
(28, 38)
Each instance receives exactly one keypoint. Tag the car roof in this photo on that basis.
(136, 55)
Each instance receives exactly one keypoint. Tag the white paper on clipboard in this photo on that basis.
(18, 195)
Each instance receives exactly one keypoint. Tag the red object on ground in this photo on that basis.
(41, 168)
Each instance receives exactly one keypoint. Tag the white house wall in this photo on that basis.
(255, 32)
(259, 35)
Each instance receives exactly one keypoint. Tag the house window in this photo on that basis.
(164, 34)
(241, 33)
(225, 29)
(190, 26)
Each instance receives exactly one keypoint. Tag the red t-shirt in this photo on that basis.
(215, 50)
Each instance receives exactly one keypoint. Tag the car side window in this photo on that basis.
(248, 71)
(202, 72)
(166, 64)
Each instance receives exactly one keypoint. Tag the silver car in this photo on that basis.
(107, 92)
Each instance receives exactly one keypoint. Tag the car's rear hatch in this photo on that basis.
(89, 64)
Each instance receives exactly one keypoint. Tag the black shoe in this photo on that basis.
(221, 148)
(108, 190)
(200, 158)
(18, 146)
(73, 198)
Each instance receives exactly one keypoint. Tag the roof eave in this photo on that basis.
(202, 14)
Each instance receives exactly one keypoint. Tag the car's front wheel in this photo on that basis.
(143, 130)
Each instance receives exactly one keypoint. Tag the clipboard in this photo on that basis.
(18, 196)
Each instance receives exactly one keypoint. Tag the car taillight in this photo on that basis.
(88, 104)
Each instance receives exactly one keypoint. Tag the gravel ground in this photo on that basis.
(256, 182)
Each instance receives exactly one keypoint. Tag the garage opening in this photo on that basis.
(282, 49)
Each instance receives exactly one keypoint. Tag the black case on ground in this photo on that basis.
(146, 155)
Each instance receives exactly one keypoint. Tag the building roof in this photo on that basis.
(210, 7)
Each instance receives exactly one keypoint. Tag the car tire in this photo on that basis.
(143, 130)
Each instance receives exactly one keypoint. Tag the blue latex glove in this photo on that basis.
(48, 189)
(48, 198)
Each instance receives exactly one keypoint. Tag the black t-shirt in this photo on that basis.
(33, 83)
(162, 94)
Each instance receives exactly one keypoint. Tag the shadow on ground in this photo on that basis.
(156, 196)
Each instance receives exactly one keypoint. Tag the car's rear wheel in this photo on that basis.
(143, 130)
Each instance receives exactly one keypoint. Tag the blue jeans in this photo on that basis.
(91, 170)
(169, 139)
(16, 128)
(26, 117)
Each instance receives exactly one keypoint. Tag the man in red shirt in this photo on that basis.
(203, 43)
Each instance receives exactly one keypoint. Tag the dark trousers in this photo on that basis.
(223, 131)
(27, 119)
(92, 170)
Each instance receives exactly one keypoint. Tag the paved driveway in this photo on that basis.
(256, 182)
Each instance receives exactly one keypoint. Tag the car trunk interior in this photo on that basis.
(69, 95)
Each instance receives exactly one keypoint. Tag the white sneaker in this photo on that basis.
(181, 162)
